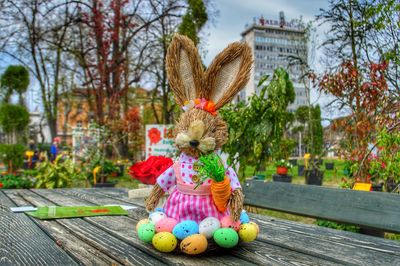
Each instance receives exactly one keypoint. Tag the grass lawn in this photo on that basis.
(332, 178)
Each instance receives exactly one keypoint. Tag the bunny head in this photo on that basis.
(200, 129)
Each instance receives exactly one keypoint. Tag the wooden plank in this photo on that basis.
(100, 240)
(333, 235)
(123, 228)
(74, 246)
(258, 252)
(352, 248)
(114, 194)
(341, 205)
(24, 243)
(315, 245)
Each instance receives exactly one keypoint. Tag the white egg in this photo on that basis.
(156, 216)
(208, 226)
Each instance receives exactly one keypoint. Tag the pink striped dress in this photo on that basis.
(185, 203)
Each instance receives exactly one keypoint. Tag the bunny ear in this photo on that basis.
(184, 69)
(228, 73)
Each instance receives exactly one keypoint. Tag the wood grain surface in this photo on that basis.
(113, 241)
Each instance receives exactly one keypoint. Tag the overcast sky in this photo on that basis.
(234, 14)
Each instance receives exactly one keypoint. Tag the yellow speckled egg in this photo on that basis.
(194, 244)
(256, 225)
(247, 232)
(164, 242)
(143, 221)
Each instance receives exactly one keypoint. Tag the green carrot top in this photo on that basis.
(210, 166)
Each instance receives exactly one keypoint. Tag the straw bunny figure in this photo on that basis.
(200, 130)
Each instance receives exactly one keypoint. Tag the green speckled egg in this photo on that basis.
(146, 232)
(141, 222)
(164, 242)
(226, 237)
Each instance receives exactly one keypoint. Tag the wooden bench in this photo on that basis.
(372, 210)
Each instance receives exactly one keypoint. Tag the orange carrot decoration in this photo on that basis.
(221, 192)
(210, 166)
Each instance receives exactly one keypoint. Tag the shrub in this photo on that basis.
(13, 181)
(12, 155)
(58, 174)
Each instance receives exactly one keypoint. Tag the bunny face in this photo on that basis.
(198, 132)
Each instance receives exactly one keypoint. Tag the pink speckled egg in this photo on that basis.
(166, 225)
(227, 222)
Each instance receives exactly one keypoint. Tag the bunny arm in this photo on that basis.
(236, 204)
(156, 193)
(236, 200)
(164, 182)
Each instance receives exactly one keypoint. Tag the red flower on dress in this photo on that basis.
(155, 135)
(148, 171)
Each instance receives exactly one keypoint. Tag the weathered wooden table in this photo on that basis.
(112, 240)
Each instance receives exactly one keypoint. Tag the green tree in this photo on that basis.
(14, 119)
(311, 128)
(193, 21)
(256, 129)
(15, 80)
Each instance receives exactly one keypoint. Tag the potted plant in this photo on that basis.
(329, 165)
(282, 167)
(310, 117)
(314, 176)
(101, 170)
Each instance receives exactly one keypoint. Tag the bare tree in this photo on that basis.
(33, 33)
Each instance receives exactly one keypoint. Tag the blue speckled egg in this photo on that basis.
(159, 209)
(244, 217)
(185, 229)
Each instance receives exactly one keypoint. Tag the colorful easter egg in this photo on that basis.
(146, 232)
(244, 217)
(185, 229)
(227, 222)
(226, 237)
(156, 216)
(194, 244)
(248, 232)
(257, 227)
(164, 242)
(208, 226)
(143, 221)
(166, 225)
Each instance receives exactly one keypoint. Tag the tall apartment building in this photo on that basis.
(273, 42)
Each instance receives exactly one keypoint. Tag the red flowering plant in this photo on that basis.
(148, 171)
(363, 92)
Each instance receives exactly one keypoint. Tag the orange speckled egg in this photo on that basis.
(194, 244)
